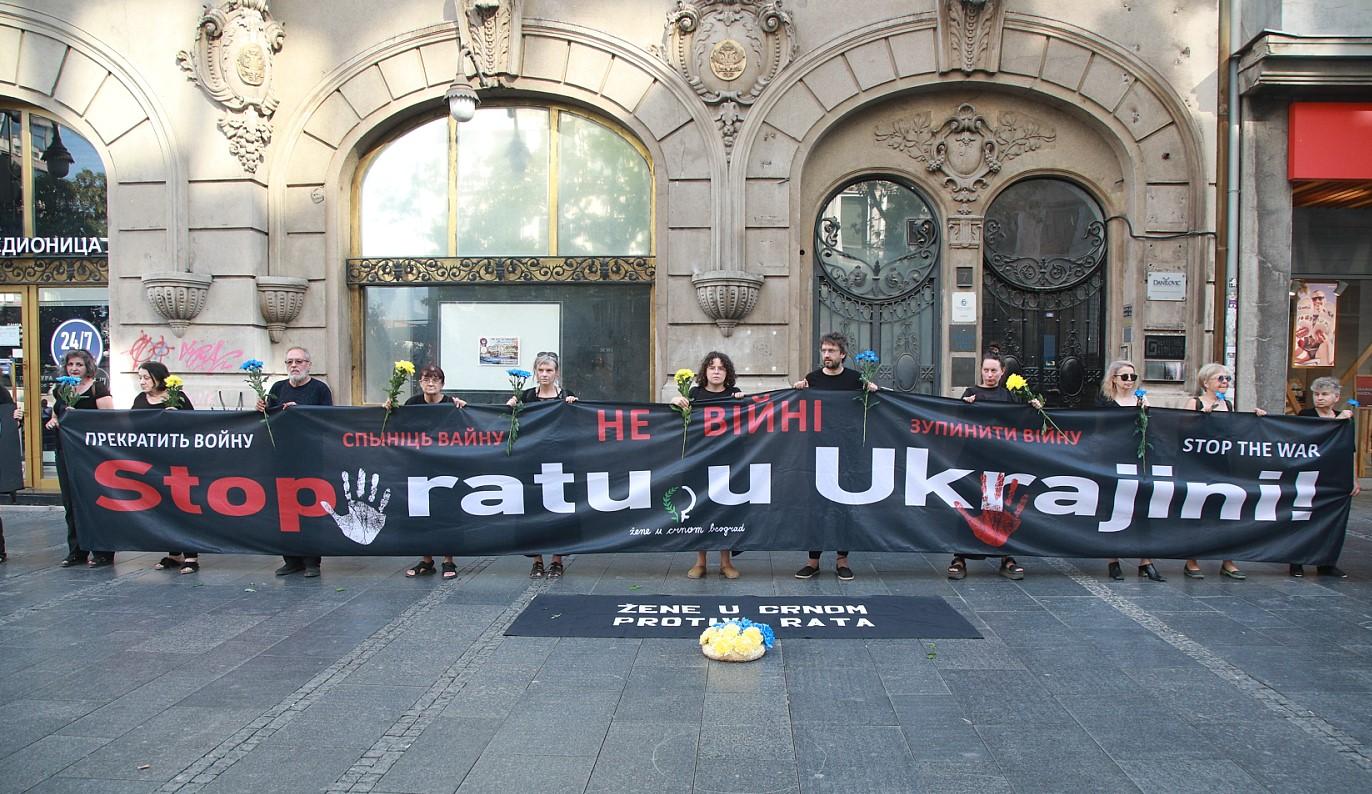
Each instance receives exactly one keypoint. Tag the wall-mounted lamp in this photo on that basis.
(462, 99)
(57, 157)
(1340, 287)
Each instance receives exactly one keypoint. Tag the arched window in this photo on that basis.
(53, 267)
(1044, 284)
(528, 228)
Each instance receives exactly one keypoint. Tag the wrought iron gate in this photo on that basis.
(1044, 288)
(876, 269)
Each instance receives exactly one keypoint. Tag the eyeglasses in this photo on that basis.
(297, 361)
(433, 378)
(1224, 378)
(548, 353)
(1128, 376)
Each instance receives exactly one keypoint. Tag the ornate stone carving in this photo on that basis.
(491, 37)
(969, 35)
(232, 61)
(280, 298)
(727, 296)
(964, 232)
(177, 296)
(965, 148)
(728, 51)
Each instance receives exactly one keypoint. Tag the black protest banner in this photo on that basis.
(783, 470)
(814, 617)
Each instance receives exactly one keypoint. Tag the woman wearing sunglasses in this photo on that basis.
(548, 386)
(1117, 390)
(1212, 389)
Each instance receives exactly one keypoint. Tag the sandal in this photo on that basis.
(1011, 569)
(421, 568)
(536, 572)
(167, 562)
(957, 569)
(191, 566)
(449, 570)
(554, 570)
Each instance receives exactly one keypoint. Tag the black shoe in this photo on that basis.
(1296, 570)
(101, 560)
(1115, 572)
(844, 573)
(290, 568)
(807, 572)
(73, 559)
(1151, 572)
(1192, 573)
(311, 571)
(1332, 570)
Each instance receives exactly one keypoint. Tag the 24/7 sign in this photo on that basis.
(77, 334)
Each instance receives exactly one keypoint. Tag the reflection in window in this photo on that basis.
(405, 195)
(11, 175)
(602, 191)
(502, 183)
(68, 183)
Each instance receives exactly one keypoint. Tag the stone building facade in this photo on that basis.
(933, 177)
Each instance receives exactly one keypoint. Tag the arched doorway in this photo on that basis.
(1044, 257)
(876, 247)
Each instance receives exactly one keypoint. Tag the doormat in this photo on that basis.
(813, 617)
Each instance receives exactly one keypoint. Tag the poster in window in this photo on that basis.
(1312, 335)
(479, 341)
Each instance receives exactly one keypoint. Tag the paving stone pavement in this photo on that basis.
(128, 679)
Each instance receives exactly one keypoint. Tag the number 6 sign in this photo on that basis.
(77, 334)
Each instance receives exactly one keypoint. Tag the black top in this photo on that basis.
(846, 380)
(1315, 413)
(700, 394)
(5, 398)
(418, 399)
(531, 395)
(1000, 394)
(314, 392)
(1197, 405)
(140, 403)
(1108, 402)
(86, 400)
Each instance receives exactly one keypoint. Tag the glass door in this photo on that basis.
(14, 378)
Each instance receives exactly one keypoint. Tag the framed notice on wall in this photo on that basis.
(1312, 328)
(478, 342)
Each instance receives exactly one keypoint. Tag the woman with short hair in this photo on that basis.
(547, 386)
(1118, 389)
(431, 381)
(152, 396)
(1324, 395)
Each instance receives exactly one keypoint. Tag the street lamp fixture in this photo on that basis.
(57, 157)
(462, 99)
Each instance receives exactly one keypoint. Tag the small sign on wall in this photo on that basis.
(1166, 286)
(964, 307)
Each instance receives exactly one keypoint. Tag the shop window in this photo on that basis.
(528, 228)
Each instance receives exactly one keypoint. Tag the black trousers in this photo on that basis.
(814, 555)
(73, 542)
(309, 562)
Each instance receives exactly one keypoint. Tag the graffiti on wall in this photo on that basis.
(191, 355)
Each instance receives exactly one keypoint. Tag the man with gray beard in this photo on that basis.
(297, 389)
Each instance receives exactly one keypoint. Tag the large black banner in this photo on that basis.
(784, 470)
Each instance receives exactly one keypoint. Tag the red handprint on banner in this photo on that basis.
(996, 524)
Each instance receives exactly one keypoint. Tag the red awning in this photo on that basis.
(1330, 140)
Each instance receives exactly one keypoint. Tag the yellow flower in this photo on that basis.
(405, 367)
(1015, 382)
(174, 381)
(683, 376)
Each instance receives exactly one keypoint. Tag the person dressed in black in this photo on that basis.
(1118, 389)
(7, 400)
(297, 389)
(1325, 393)
(152, 396)
(715, 382)
(431, 380)
(831, 376)
(548, 386)
(89, 394)
(990, 390)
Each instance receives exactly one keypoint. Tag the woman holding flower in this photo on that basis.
(1212, 384)
(714, 382)
(548, 386)
(1119, 389)
(431, 380)
(159, 390)
(77, 389)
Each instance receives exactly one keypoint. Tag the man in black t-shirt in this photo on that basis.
(297, 389)
(831, 376)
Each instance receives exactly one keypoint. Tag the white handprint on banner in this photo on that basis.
(363, 522)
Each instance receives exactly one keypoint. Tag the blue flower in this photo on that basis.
(68, 380)
(1140, 392)
(769, 637)
(866, 357)
(519, 373)
(1219, 395)
(251, 363)
(1354, 404)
